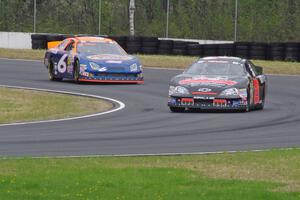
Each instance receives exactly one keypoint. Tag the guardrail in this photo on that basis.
(154, 45)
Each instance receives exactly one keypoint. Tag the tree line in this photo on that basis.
(258, 20)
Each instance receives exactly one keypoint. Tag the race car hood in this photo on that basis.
(110, 63)
(212, 85)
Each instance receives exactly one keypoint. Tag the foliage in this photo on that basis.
(258, 20)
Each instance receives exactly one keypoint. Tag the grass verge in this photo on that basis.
(272, 175)
(178, 62)
(17, 105)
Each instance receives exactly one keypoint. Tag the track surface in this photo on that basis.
(146, 126)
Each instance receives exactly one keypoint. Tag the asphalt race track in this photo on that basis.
(146, 126)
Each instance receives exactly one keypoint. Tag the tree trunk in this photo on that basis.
(131, 17)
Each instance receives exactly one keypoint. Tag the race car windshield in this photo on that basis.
(94, 48)
(216, 68)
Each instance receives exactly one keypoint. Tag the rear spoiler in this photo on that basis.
(53, 44)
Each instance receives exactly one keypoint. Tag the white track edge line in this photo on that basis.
(149, 154)
(120, 106)
(20, 59)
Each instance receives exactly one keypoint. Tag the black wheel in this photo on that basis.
(248, 107)
(51, 73)
(76, 72)
(261, 105)
(176, 109)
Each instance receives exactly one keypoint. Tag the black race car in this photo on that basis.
(218, 83)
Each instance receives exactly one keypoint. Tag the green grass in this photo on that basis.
(250, 175)
(22, 54)
(178, 62)
(18, 105)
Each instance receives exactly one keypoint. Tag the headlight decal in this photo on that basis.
(230, 92)
(234, 92)
(94, 66)
(133, 67)
(171, 90)
(178, 90)
(97, 67)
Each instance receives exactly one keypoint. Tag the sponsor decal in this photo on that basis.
(204, 97)
(82, 68)
(84, 73)
(235, 103)
(204, 89)
(207, 81)
(109, 57)
(69, 61)
(206, 93)
(114, 61)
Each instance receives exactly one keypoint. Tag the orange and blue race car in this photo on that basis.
(92, 59)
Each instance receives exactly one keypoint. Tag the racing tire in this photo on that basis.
(149, 50)
(176, 109)
(248, 107)
(76, 72)
(51, 73)
(261, 106)
(164, 51)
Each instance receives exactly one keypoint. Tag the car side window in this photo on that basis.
(249, 69)
(62, 45)
(252, 68)
(70, 46)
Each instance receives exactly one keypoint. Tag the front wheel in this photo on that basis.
(176, 109)
(248, 106)
(76, 72)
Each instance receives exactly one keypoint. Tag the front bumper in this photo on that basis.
(207, 104)
(112, 78)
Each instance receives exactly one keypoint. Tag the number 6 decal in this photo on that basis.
(62, 66)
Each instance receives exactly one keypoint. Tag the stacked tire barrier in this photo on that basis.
(152, 45)
(149, 45)
(165, 47)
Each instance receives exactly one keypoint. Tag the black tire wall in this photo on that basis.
(153, 45)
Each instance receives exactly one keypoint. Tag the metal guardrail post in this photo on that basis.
(167, 26)
(235, 20)
(99, 20)
(34, 16)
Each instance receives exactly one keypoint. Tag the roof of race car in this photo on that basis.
(223, 58)
(93, 39)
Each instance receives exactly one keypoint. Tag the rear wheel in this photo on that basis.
(176, 109)
(52, 73)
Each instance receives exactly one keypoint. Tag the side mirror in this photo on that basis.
(259, 70)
